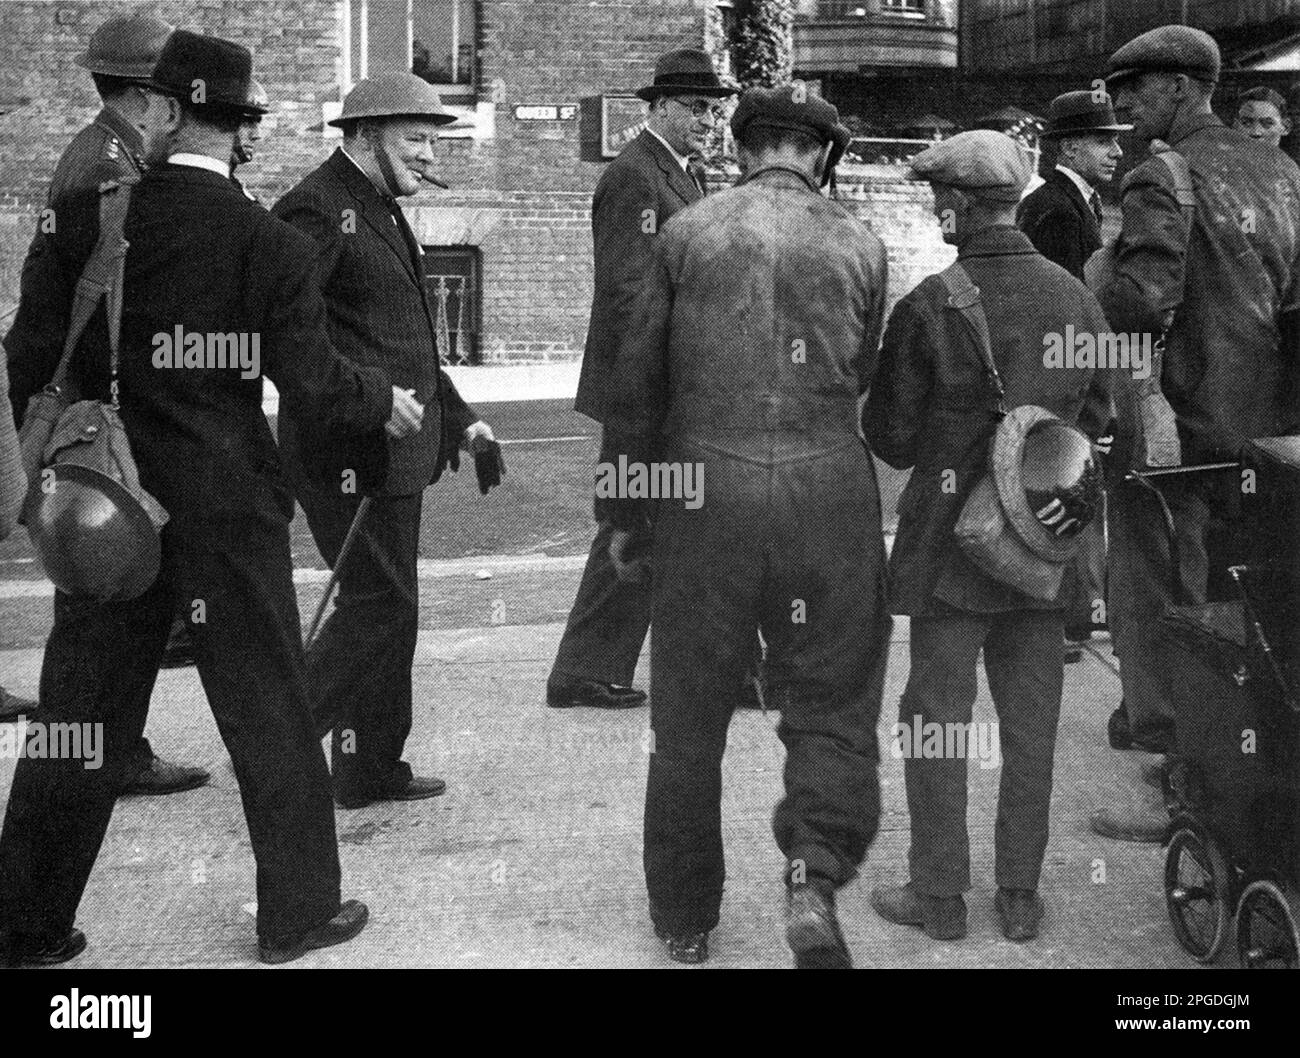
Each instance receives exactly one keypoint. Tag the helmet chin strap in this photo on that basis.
(375, 140)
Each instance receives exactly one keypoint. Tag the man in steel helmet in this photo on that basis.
(381, 316)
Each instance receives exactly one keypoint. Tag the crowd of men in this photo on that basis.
(742, 332)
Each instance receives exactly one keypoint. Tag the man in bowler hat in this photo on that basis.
(656, 175)
(1063, 218)
(202, 259)
(120, 58)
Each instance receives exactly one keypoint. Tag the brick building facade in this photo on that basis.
(510, 242)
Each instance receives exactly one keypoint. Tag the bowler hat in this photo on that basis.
(688, 71)
(207, 72)
(1166, 49)
(1081, 113)
(393, 95)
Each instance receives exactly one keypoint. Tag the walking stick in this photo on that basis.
(348, 541)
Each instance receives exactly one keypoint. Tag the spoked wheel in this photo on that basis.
(1198, 893)
(1266, 928)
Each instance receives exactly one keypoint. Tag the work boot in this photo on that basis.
(1020, 911)
(813, 931)
(1130, 824)
(942, 917)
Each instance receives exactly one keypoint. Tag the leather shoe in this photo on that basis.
(942, 917)
(813, 931)
(593, 694)
(12, 706)
(30, 952)
(350, 920)
(1021, 910)
(417, 788)
(685, 947)
(1144, 825)
(162, 777)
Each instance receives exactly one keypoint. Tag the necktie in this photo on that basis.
(696, 173)
(1095, 202)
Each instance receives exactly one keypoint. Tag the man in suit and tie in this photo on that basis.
(120, 57)
(656, 175)
(380, 315)
(202, 261)
(1063, 220)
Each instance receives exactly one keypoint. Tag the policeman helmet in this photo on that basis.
(393, 95)
(92, 535)
(126, 46)
(1047, 479)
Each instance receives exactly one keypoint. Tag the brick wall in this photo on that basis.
(522, 197)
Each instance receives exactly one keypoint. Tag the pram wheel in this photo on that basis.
(1198, 893)
(1266, 928)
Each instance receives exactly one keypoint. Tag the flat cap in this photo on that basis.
(790, 106)
(986, 163)
(1166, 49)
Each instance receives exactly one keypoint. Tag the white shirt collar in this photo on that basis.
(1085, 188)
(201, 161)
(682, 160)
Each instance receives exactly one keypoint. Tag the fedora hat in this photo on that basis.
(207, 72)
(1081, 114)
(687, 71)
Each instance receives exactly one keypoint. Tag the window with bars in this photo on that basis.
(451, 275)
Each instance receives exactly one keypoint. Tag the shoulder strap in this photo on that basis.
(1181, 172)
(964, 297)
(101, 278)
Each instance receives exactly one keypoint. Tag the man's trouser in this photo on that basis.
(359, 667)
(1024, 663)
(100, 665)
(1142, 584)
(793, 547)
(608, 621)
(1089, 575)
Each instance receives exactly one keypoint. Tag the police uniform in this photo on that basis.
(1221, 287)
(753, 339)
(931, 410)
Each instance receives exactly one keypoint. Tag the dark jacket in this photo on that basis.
(205, 259)
(380, 316)
(109, 148)
(757, 330)
(1227, 282)
(1060, 223)
(635, 196)
(931, 407)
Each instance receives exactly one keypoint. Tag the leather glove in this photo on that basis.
(488, 464)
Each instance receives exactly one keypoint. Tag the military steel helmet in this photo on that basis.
(92, 535)
(393, 95)
(126, 46)
(1047, 480)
